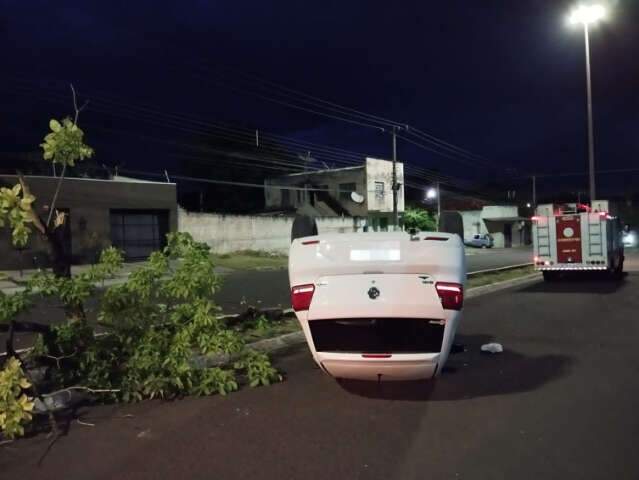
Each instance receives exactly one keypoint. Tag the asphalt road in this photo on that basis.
(559, 403)
(271, 288)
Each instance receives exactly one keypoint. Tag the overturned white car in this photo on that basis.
(378, 306)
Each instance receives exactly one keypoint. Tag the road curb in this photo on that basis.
(283, 342)
(506, 284)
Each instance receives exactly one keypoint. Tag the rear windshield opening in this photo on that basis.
(377, 335)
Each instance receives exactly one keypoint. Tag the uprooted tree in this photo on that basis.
(149, 335)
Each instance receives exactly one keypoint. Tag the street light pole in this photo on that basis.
(591, 139)
(587, 15)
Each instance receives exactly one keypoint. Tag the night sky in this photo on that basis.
(504, 80)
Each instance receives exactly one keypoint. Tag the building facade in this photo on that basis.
(364, 192)
(504, 223)
(133, 215)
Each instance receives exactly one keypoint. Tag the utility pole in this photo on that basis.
(534, 191)
(395, 214)
(439, 206)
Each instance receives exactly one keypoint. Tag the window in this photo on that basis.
(286, 197)
(345, 190)
(379, 190)
(139, 232)
(321, 193)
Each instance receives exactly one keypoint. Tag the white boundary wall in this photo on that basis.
(230, 233)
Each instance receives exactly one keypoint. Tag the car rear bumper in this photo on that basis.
(399, 367)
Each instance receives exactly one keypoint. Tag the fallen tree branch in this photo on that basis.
(63, 357)
(85, 389)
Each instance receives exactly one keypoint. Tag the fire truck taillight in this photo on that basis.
(535, 219)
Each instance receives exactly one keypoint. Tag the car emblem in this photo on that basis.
(373, 293)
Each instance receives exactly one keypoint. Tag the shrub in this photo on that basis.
(419, 219)
(152, 324)
(15, 405)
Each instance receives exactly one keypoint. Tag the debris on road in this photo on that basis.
(492, 348)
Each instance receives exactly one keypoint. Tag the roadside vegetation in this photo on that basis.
(419, 219)
(250, 260)
(151, 327)
(489, 278)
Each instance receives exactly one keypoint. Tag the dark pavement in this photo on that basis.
(559, 403)
(271, 288)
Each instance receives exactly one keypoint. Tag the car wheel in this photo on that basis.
(483, 246)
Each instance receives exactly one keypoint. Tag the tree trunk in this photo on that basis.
(60, 258)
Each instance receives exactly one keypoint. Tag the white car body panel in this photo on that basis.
(404, 269)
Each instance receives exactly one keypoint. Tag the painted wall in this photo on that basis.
(229, 233)
(477, 222)
(382, 171)
(89, 202)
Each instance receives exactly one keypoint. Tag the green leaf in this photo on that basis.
(55, 125)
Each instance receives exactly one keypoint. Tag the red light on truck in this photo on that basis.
(535, 218)
(310, 242)
(377, 355)
(301, 297)
(451, 295)
(603, 214)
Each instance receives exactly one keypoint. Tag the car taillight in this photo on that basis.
(451, 295)
(301, 297)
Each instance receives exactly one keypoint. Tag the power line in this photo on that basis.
(178, 122)
(409, 129)
(298, 95)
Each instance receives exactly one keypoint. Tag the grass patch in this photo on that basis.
(261, 328)
(250, 260)
(488, 278)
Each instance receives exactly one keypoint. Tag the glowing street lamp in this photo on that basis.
(431, 194)
(587, 15)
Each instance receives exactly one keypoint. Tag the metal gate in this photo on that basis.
(139, 232)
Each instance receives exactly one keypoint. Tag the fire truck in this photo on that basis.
(577, 237)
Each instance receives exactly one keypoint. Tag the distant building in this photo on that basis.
(504, 223)
(134, 215)
(364, 192)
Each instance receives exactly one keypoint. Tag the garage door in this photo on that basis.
(139, 232)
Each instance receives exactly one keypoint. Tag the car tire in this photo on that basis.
(303, 226)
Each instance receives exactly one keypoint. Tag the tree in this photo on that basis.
(64, 146)
(419, 219)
